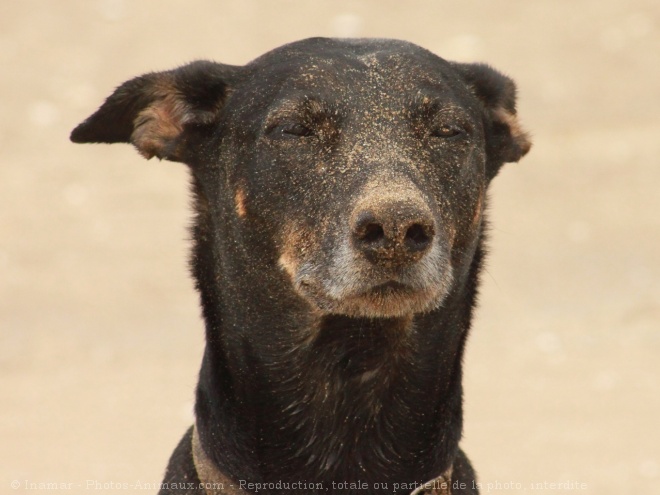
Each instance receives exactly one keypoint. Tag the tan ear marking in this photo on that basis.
(161, 122)
(519, 135)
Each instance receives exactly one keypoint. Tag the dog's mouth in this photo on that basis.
(388, 289)
(351, 285)
(387, 299)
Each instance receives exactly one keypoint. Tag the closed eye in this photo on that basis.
(302, 117)
(438, 118)
(447, 132)
(295, 130)
(289, 130)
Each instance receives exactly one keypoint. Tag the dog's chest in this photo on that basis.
(353, 411)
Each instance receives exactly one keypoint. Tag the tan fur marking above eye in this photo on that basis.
(517, 132)
(239, 201)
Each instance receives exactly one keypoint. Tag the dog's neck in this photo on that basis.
(331, 398)
(362, 400)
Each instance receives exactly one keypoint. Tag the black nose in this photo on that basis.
(393, 232)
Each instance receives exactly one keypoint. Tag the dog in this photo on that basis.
(339, 195)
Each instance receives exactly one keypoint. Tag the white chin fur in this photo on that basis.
(348, 287)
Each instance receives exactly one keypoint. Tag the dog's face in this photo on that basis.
(361, 166)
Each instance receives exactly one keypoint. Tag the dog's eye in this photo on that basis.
(295, 130)
(289, 130)
(447, 131)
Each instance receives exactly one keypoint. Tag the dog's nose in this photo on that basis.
(393, 232)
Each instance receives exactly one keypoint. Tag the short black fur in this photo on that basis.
(321, 364)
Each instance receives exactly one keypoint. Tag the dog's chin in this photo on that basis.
(387, 300)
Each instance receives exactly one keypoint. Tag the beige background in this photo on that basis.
(101, 337)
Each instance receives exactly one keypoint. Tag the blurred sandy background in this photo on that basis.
(100, 334)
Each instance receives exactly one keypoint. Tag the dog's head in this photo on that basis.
(355, 169)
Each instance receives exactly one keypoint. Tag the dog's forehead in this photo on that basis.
(321, 63)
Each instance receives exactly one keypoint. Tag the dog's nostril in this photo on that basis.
(418, 236)
(372, 233)
(393, 236)
(368, 230)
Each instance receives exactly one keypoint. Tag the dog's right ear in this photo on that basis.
(158, 112)
(507, 141)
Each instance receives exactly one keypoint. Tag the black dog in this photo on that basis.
(340, 188)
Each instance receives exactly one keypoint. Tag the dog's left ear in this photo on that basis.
(161, 113)
(506, 140)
